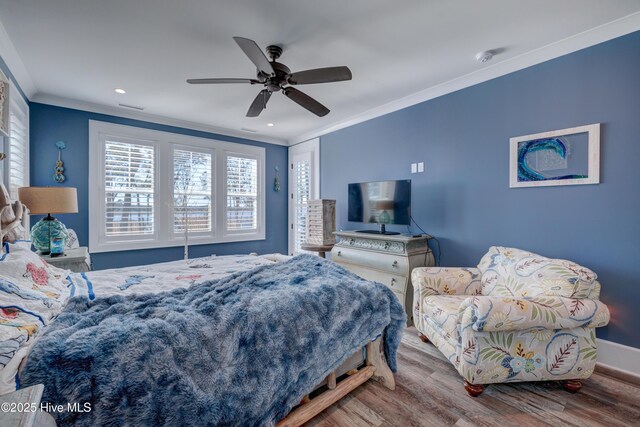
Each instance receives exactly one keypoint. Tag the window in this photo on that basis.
(304, 184)
(129, 177)
(153, 188)
(192, 191)
(17, 144)
(242, 193)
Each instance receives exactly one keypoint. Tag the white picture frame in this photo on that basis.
(521, 175)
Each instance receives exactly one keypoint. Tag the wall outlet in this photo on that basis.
(421, 167)
(414, 167)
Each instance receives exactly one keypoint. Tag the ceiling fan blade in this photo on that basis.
(217, 81)
(259, 103)
(255, 54)
(305, 101)
(320, 75)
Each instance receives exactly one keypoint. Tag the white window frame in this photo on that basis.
(312, 149)
(165, 142)
(17, 106)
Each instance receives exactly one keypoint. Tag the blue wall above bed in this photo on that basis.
(49, 124)
(464, 198)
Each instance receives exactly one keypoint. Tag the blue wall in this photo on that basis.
(49, 124)
(464, 199)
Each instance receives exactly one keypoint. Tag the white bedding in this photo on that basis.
(33, 293)
(165, 276)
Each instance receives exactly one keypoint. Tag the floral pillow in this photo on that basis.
(514, 272)
(32, 294)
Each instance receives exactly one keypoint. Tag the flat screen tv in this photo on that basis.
(380, 202)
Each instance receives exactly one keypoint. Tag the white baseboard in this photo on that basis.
(618, 356)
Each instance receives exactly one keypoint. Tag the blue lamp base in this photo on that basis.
(46, 231)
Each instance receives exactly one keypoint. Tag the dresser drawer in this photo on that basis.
(398, 284)
(394, 264)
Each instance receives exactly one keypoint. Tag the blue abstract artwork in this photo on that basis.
(562, 157)
(551, 147)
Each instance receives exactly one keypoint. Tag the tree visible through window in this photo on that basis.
(192, 191)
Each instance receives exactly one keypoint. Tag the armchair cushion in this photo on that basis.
(485, 313)
(511, 272)
(442, 313)
(446, 281)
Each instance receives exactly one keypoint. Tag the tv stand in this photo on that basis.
(382, 231)
(385, 259)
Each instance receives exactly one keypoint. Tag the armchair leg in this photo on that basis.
(571, 386)
(474, 390)
(423, 337)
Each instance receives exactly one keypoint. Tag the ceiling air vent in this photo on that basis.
(132, 107)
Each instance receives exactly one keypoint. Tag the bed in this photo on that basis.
(339, 332)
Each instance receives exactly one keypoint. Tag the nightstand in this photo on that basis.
(22, 409)
(74, 259)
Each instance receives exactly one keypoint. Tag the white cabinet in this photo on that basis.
(387, 259)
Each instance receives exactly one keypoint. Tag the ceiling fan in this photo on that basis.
(275, 76)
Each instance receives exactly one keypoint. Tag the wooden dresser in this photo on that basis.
(387, 259)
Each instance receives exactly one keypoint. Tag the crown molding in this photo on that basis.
(153, 118)
(10, 56)
(600, 34)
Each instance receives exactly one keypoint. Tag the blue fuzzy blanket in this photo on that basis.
(242, 350)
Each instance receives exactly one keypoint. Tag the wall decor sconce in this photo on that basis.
(58, 176)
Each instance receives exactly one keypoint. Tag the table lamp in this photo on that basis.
(48, 200)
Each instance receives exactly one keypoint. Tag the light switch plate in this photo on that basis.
(421, 167)
(414, 167)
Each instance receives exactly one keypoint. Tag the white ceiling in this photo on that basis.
(82, 50)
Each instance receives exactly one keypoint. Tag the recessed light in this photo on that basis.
(120, 91)
(270, 124)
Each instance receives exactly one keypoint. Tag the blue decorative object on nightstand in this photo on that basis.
(45, 230)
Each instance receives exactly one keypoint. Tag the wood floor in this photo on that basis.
(429, 392)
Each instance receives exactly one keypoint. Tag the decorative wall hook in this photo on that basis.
(58, 176)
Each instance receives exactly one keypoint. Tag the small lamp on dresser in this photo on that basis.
(48, 200)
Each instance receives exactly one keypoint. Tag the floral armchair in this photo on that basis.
(518, 316)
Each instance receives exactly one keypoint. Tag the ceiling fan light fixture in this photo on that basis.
(120, 91)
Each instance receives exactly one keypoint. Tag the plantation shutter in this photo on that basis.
(302, 194)
(18, 158)
(192, 195)
(129, 176)
(242, 193)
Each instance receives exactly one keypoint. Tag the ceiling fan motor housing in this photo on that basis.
(276, 82)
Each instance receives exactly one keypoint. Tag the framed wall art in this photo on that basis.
(561, 157)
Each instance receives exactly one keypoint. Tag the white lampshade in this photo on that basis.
(49, 200)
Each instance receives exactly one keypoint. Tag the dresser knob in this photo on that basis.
(395, 264)
(386, 245)
(339, 253)
(352, 241)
